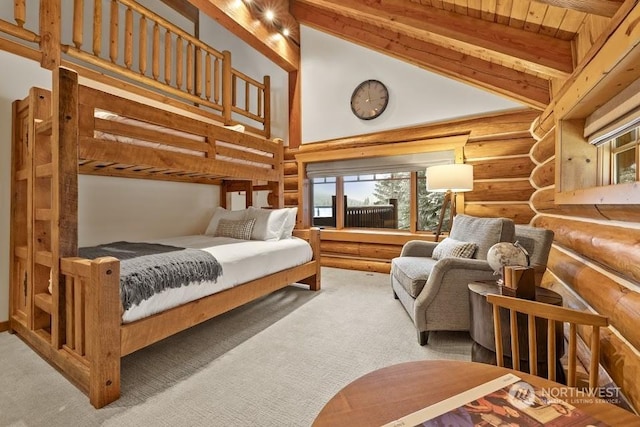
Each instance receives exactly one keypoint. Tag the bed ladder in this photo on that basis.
(51, 211)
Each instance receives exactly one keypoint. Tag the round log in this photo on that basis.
(543, 202)
(498, 148)
(520, 213)
(628, 213)
(544, 175)
(290, 154)
(604, 294)
(545, 148)
(615, 247)
(617, 357)
(542, 125)
(291, 183)
(356, 264)
(291, 199)
(290, 168)
(364, 250)
(500, 191)
(511, 167)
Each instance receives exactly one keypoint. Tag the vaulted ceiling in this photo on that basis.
(515, 48)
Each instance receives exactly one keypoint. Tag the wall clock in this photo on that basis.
(369, 99)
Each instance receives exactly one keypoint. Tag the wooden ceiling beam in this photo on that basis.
(536, 53)
(237, 18)
(525, 88)
(606, 8)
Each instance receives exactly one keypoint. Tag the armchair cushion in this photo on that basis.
(485, 232)
(412, 272)
(454, 248)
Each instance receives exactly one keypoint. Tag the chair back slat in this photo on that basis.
(515, 343)
(551, 349)
(533, 345)
(498, 332)
(551, 314)
(573, 341)
(595, 349)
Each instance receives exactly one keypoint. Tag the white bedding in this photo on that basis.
(242, 261)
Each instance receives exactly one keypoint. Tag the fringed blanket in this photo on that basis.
(147, 269)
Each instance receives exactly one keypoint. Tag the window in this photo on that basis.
(324, 196)
(618, 158)
(376, 201)
(624, 157)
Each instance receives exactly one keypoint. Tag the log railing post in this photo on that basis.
(227, 89)
(78, 20)
(20, 12)
(50, 34)
(267, 106)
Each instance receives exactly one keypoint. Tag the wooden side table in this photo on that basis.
(482, 332)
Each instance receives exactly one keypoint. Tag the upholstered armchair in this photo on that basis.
(430, 279)
(537, 242)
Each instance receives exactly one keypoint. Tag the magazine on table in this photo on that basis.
(504, 402)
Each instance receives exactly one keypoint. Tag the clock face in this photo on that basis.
(369, 99)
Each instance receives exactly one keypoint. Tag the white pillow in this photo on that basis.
(269, 223)
(289, 224)
(221, 213)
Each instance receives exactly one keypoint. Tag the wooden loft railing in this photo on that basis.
(132, 42)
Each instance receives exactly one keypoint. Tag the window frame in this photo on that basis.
(444, 143)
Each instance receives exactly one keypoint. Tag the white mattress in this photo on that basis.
(241, 260)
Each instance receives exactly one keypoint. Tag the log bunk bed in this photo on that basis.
(68, 308)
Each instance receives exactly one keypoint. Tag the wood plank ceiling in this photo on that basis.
(514, 48)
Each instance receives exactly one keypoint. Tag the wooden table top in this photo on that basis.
(390, 393)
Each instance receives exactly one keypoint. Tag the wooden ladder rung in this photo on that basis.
(43, 214)
(43, 301)
(44, 127)
(22, 174)
(21, 252)
(45, 170)
(43, 258)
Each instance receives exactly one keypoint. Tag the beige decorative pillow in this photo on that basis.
(240, 229)
(451, 248)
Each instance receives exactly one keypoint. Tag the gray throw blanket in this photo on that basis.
(148, 268)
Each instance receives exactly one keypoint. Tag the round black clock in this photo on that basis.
(369, 99)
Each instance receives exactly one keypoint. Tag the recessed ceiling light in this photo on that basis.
(269, 15)
(286, 32)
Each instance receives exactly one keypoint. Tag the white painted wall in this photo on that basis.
(332, 68)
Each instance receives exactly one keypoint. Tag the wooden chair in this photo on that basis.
(552, 314)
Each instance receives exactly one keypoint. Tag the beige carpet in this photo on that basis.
(274, 362)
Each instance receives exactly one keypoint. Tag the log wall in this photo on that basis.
(498, 147)
(595, 265)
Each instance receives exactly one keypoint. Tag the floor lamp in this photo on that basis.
(450, 179)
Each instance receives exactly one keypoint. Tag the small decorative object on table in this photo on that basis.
(511, 262)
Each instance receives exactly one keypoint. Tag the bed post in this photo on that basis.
(314, 241)
(103, 331)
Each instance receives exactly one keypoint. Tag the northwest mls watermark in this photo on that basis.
(532, 396)
(586, 395)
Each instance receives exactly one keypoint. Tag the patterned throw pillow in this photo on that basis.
(240, 229)
(449, 248)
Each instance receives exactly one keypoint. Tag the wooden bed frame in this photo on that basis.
(77, 327)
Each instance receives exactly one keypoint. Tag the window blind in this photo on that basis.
(616, 117)
(386, 164)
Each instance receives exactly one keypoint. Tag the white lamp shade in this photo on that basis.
(456, 177)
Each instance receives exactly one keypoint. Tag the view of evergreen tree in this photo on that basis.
(429, 203)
